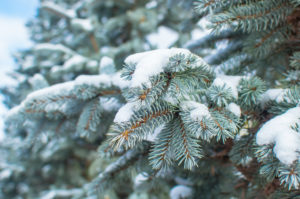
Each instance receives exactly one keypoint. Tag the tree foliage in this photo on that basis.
(100, 112)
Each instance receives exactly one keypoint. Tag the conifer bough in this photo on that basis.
(215, 121)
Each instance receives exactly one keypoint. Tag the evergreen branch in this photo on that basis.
(242, 151)
(70, 15)
(181, 63)
(295, 2)
(250, 91)
(186, 147)
(185, 82)
(270, 169)
(94, 42)
(141, 124)
(237, 64)
(122, 163)
(147, 95)
(37, 106)
(290, 100)
(204, 6)
(160, 156)
(144, 120)
(290, 176)
(262, 15)
(224, 54)
(266, 37)
(62, 193)
(49, 47)
(210, 39)
(58, 10)
(57, 129)
(267, 41)
(291, 194)
(66, 99)
(197, 120)
(128, 70)
(225, 124)
(220, 96)
(199, 108)
(295, 61)
(89, 118)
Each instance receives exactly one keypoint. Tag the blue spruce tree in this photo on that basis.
(109, 107)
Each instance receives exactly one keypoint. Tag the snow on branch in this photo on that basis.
(73, 61)
(62, 193)
(83, 24)
(151, 63)
(279, 131)
(275, 94)
(65, 98)
(181, 191)
(171, 79)
(58, 10)
(166, 73)
(48, 47)
(73, 64)
(127, 133)
(230, 82)
(197, 111)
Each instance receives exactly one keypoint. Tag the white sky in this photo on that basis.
(13, 36)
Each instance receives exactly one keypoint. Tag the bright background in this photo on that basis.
(13, 36)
